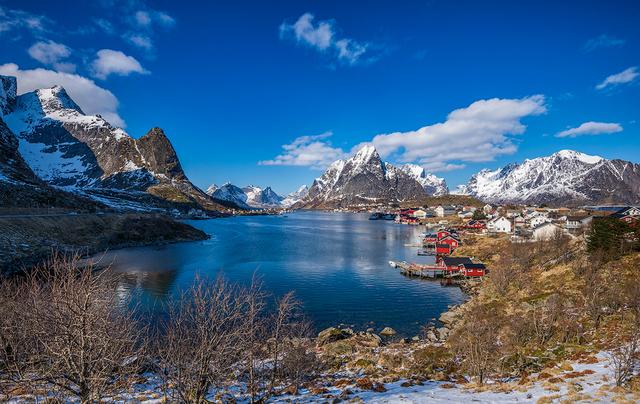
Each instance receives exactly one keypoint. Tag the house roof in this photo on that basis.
(455, 261)
(541, 225)
(475, 266)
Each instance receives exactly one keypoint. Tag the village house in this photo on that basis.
(629, 215)
(465, 215)
(487, 209)
(518, 221)
(446, 210)
(545, 231)
(499, 225)
(538, 220)
(419, 214)
(577, 222)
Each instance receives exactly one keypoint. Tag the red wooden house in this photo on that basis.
(443, 249)
(452, 241)
(476, 224)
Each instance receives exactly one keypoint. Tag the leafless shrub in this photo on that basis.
(292, 356)
(73, 331)
(624, 359)
(200, 342)
(477, 342)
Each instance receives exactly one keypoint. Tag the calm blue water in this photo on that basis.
(337, 264)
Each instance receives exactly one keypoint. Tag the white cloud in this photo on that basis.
(591, 128)
(322, 37)
(110, 61)
(477, 133)
(312, 151)
(51, 53)
(625, 76)
(140, 40)
(603, 41)
(92, 98)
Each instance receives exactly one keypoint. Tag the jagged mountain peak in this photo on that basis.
(362, 179)
(56, 98)
(564, 177)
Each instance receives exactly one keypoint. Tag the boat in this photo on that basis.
(389, 216)
(376, 216)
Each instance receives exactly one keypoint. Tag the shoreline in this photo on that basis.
(27, 241)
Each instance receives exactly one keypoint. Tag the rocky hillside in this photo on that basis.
(363, 179)
(65, 147)
(433, 186)
(565, 177)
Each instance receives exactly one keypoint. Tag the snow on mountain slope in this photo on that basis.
(231, 193)
(295, 196)
(433, 186)
(564, 177)
(363, 179)
(261, 198)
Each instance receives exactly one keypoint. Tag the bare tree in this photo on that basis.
(625, 359)
(83, 336)
(200, 341)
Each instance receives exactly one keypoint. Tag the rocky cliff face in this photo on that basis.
(65, 147)
(565, 177)
(363, 179)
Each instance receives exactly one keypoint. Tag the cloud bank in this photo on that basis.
(480, 132)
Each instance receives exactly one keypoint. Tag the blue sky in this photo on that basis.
(268, 94)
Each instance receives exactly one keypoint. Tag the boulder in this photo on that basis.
(448, 317)
(431, 336)
(443, 332)
(367, 339)
(388, 331)
(332, 334)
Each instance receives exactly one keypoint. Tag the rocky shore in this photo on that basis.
(26, 240)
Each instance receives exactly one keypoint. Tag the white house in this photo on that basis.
(487, 209)
(546, 231)
(442, 211)
(538, 220)
(420, 214)
(499, 225)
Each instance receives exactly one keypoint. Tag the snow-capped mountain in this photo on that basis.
(65, 147)
(363, 179)
(261, 198)
(229, 193)
(565, 177)
(295, 196)
(250, 196)
(433, 186)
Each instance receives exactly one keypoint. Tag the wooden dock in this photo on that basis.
(421, 271)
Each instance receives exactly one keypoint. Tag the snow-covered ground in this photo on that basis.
(578, 381)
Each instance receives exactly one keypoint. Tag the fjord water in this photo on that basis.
(337, 264)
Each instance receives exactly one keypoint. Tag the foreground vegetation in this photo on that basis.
(543, 307)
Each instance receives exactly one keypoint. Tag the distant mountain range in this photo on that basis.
(52, 153)
(253, 197)
(566, 177)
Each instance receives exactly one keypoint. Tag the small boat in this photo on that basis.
(393, 264)
(389, 216)
(375, 216)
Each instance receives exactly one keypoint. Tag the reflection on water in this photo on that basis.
(337, 263)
